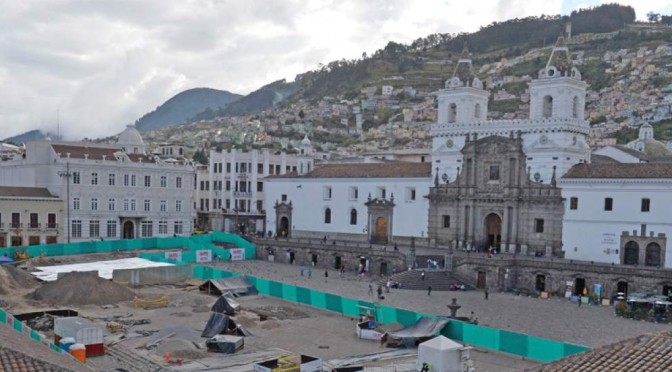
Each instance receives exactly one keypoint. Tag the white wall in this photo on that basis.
(589, 231)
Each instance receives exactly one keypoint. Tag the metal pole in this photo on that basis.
(67, 193)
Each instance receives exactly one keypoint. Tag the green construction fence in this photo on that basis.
(536, 348)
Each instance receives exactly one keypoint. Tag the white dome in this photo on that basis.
(305, 141)
(131, 140)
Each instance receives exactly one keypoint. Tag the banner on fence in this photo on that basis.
(237, 254)
(204, 255)
(177, 256)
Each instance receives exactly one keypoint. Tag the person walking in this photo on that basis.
(429, 290)
(485, 294)
(380, 293)
(422, 275)
(370, 289)
(302, 268)
(326, 274)
(310, 272)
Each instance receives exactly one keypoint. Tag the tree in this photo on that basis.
(200, 157)
(302, 114)
(653, 17)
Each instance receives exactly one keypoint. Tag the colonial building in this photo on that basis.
(375, 202)
(494, 204)
(111, 191)
(30, 216)
(230, 190)
(618, 213)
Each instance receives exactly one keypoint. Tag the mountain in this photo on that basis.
(185, 105)
(261, 99)
(32, 135)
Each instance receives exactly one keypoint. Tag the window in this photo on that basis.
(76, 229)
(547, 109)
(94, 229)
(94, 204)
(112, 179)
(178, 182)
(111, 204)
(227, 205)
(228, 167)
(410, 194)
(260, 205)
(446, 221)
(125, 205)
(539, 225)
(148, 205)
(608, 204)
(573, 203)
(16, 220)
(260, 187)
(646, 204)
(326, 193)
(51, 221)
(353, 216)
(94, 178)
(148, 181)
(146, 229)
(452, 113)
(111, 229)
(178, 227)
(164, 181)
(34, 221)
(228, 185)
(283, 197)
(126, 178)
(327, 215)
(133, 183)
(163, 227)
(132, 205)
(178, 206)
(354, 193)
(75, 204)
(162, 205)
(381, 192)
(494, 173)
(76, 179)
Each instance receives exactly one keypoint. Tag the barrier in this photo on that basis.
(152, 275)
(540, 349)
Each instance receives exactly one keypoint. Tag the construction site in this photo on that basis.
(191, 304)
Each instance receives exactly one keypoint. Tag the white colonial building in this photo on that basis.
(554, 136)
(376, 202)
(618, 213)
(230, 190)
(111, 191)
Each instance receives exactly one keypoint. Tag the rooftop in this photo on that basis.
(609, 170)
(25, 192)
(367, 170)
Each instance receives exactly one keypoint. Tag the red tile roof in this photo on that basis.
(650, 352)
(606, 170)
(79, 152)
(25, 192)
(367, 170)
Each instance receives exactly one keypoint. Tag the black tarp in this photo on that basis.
(237, 286)
(225, 344)
(223, 306)
(218, 324)
(422, 330)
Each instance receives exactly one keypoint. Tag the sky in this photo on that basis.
(95, 66)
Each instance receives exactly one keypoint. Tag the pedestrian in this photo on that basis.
(301, 270)
(370, 289)
(324, 240)
(485, 294)
(326, 274)
(471, 317)
(429, 290)
(310, 272)
(396, 247)
(388, 285)
(579, 301)
(380, 293)
(422, 275)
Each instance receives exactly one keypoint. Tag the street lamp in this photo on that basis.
(67, 176)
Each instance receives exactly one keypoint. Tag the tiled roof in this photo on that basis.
(367, 170)
(632, 152)
(78, 152)
(20, 353)
(606, 170)
(651, 352)
(25, 192)
(601, 159)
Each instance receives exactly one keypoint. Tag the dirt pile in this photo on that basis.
(13, 279)
(82, 288)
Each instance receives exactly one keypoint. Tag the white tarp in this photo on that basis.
(104, 268)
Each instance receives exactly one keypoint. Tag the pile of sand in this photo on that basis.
(82, 288)
(13, 279)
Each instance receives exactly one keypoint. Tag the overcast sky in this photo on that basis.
(106, 63)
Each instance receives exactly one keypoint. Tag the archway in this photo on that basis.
(579, 286)
(631, 253)
(622, 287)
(540, 283)
(129, 230)
(337, 262)
(383, 268)
(381, 230)
(652, 257)
(493, 231)
(481, 280)
(283, 227)
(547, 110)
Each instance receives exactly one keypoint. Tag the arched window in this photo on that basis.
(548, 107)
(327, 215)
(575, 107)
(353, 216)
(652, 257)
(631, 254)
(452, 113)
(477, 111)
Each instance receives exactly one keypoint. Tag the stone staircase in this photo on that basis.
(440, 280)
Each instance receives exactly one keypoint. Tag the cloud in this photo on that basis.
(106, 63)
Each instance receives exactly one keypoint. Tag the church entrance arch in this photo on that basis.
(631, 254)
(493, 231)
(652, 257)
(381, 230)
(283, 227)
(128, 230)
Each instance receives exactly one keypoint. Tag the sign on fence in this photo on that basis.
(204, 255)
(237, 254)
(177, 255)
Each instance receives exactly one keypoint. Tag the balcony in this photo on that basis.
(52, 226)
(242, 194)
(34, 226)
(15, 225)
